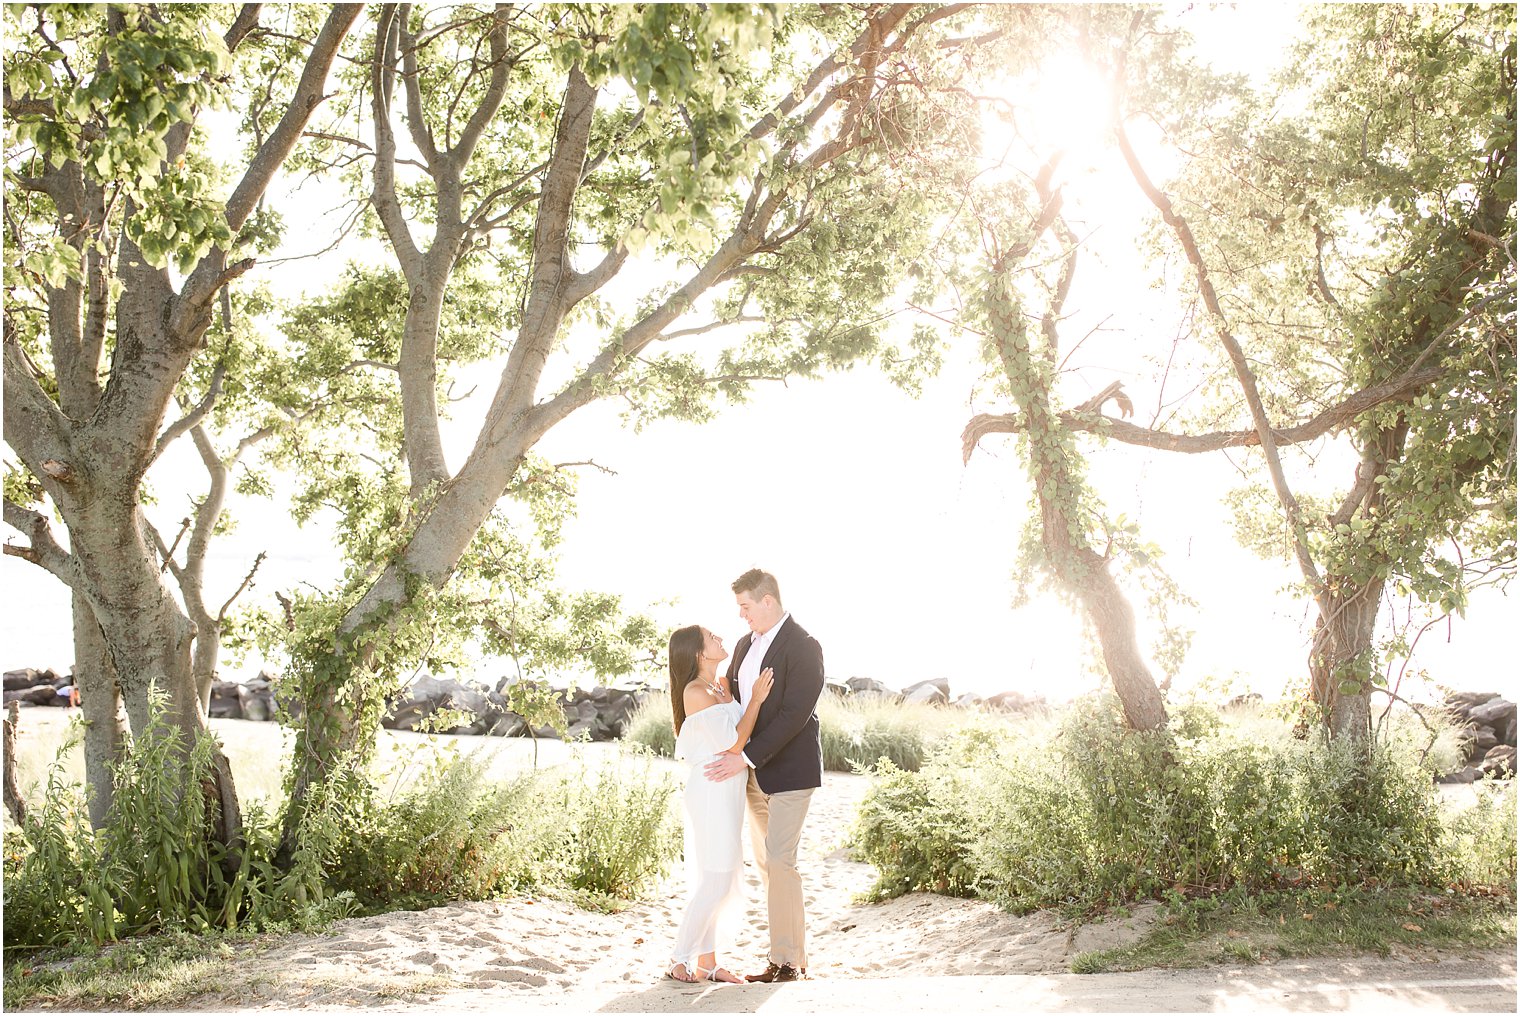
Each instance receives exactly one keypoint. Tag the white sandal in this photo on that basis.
(688, 979)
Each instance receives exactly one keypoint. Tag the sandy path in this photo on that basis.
(496, 954)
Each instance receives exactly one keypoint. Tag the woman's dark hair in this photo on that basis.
(685, 647)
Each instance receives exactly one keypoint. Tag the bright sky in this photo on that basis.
(892, 553)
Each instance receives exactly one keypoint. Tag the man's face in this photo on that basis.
(761, 614)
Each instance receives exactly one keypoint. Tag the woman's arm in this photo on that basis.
(752, 710)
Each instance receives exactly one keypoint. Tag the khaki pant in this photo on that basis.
(775, 829)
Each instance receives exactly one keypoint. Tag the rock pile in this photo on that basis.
(934, 692)
(243, 700)
(1488, 723)
(598, 714)
(33, 687)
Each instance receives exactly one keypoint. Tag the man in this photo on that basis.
(784, 759)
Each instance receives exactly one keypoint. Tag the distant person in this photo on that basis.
(784, 757)
(708, 722)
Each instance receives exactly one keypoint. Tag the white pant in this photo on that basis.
(711, 894)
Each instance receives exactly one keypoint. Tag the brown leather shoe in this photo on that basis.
(775, 973)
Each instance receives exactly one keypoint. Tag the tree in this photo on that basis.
(1426, 310)
(753, 175)
(1402, 333)
(116, 197)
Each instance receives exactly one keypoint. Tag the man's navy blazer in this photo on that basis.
(785, 746)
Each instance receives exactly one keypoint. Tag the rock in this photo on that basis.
(1465, 700)
(508, 725)
(1499, 714)
(428, 694)
(38, 695)
(1491, 709)
(1466, 774)
(857, 685)
(1014, 702)
(1483, 738)
(1250, 698)
(968, 700)
(839, 690)
(1499, 761)
(942, 683)
(928, 693)
(582, 727)
(408, 715)
(15, 680)
(257, 705)
(226, 701)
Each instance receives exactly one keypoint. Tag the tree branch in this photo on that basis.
(43, 551)
(246, 21)
(1400, 389)
(1243, 373)
(221, 615)
(382, 88)
(496, 90)
(194, 416)
(282, 139)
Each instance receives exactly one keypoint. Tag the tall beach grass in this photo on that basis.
(856, 732)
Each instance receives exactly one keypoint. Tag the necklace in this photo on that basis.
(717, 693)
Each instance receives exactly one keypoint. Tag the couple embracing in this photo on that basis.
(751, 736)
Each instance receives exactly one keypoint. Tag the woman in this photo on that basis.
(708, 721)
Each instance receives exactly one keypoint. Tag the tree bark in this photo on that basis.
(14, 803)
(105, 724)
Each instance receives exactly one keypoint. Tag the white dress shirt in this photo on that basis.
(749, 667)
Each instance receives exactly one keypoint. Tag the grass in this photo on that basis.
(1237, 928)
(855, 732)
(148, 973)
(167, 971)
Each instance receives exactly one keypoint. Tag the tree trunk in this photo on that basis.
(1340, 662)
(105, 725)
(13, 800)
(1111, 615)
(1062, 533)
(148, 636)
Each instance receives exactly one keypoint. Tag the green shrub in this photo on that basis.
(915, 829)
(151, 867)
(621, 827)
(651, 726)
(436, 831)
(446, 833)
(1093, 814)
(1480, 839)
